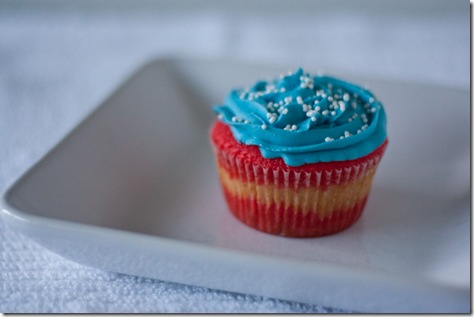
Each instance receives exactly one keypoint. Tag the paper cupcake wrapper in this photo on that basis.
(296, 202)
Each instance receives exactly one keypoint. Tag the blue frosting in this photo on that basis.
(305, 119)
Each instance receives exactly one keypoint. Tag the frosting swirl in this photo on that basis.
(305, 119)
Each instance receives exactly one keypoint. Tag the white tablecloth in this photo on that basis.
(59, 60)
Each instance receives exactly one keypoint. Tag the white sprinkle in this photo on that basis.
(285, 111)
(287, 127)
(349, 120)
(294, 127)
(373, 110)
(288, 99)
(283, 89)
(318, 108)
(341, 137)
(328, 139)
(264, 127)
(269, 115)
(333, 113)
(330, 98)
(346, 97)
(347, 134)
(316, 102)
(359, 131)
(371, 99)
(299, 100)
(309, 113)
(220, 116)
(272, 119)
(234, 119)
(364, 127)
(313, 119)
(325, 113)
(246, 121)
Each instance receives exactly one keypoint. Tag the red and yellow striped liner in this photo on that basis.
(306, 201)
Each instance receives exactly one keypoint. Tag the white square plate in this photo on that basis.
(133, 189)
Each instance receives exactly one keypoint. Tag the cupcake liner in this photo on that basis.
(305, 201)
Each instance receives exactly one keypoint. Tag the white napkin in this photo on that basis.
(35, 280)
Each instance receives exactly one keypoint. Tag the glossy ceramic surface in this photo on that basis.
(133, 189)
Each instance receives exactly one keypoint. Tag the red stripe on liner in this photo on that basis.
(291, 222)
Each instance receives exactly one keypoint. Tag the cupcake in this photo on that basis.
(296, 156)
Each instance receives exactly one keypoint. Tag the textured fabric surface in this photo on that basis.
(33, 280)
(59, 60)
